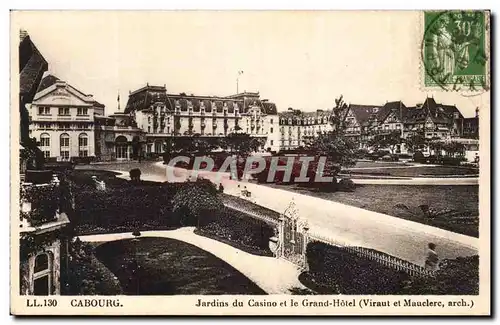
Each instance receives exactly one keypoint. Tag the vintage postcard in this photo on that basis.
(250, 163)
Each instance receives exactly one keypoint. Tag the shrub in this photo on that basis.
(350, 273)
(346, 185)
(196, 203)
(458, 276)
(240, 228)
(120, 208)
(452, 161)
(136, 233)
(326, 187)
(362, 153)
(135, 175)
(419, 157)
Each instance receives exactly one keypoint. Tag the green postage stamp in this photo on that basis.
(455, 50)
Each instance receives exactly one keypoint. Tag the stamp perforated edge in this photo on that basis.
(466, 92)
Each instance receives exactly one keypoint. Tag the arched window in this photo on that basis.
(83, 145)
(121, 147)
(42, 275)
(64, 146)
(45, 144)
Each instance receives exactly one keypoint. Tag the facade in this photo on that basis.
(430, 119)
(163, 116)
(118, 137)
(362, 122)
(471, 126)
(70, 125)
(296, 127)
(62, 120)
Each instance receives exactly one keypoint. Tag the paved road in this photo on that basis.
(339, 222)
(284, 275)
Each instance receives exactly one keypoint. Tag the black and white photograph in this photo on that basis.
(250, 162)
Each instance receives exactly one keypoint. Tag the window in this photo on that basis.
(42, 275)
(64, 146)
(271, 130)
(64, 140)
(121, 147)
(149, 129)
(63, 110)
(83, 142)
(272, 142)
(43, 110)
(82, 111)
(44, 140)
(271, 121)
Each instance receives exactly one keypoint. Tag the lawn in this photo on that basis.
(366, 164)
(423, 171)
(171, 267)
(454, 208)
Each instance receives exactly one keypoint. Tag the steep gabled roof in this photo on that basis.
(32, 65)
(46, 82)
(364, 113)
(389, 107)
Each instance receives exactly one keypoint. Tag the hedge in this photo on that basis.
(118, 209)
(348, 273)
(241, 229)
(333, 270)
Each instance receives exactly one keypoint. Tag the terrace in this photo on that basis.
(43, 202)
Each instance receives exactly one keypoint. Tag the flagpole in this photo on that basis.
(237, 81)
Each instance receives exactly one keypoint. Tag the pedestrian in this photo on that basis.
(432, 260)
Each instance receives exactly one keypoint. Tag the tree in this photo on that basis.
(202, 146)
(390, 141)
(453, 148)
(415, 141)
(195, 201)
(335, 146)
(240, 143)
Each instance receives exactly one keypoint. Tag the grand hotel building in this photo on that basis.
(162, 116)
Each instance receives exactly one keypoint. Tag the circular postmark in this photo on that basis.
(454, 51)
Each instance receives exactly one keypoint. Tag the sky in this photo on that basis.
(301, 59)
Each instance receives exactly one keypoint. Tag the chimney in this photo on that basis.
(477, 112)
(22, 34)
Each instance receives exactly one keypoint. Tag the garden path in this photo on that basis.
(273, 275)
